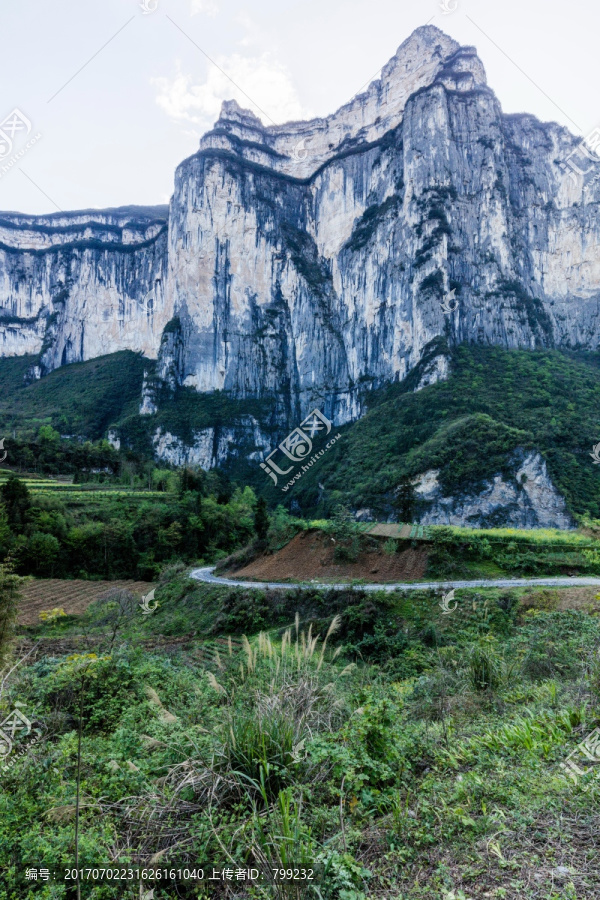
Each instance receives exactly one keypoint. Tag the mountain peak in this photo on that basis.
(426, 58)
(432, 50)
(232, 111)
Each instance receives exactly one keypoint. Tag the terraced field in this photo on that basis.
(64, 486)
(73, 596)
(399, 530)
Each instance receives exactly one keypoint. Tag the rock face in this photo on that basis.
(312, 260)
(74, 286)
(308, 262)
(529, 500)
(211, 447)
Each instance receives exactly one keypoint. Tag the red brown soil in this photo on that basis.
(309, 555)
(74, 597)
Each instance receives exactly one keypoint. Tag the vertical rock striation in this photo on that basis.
(74, 286)
(306, 263)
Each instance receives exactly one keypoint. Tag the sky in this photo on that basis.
(103, 99)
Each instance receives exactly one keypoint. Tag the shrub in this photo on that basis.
(344, 531)
(105, 683)
(282, 529)
(484, 667)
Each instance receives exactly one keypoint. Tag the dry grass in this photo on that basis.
(585, 599)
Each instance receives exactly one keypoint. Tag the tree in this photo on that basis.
(192, 481)
(49, 449)
(17, 502)
(261, 519)
(42, 553)
(405, 500)
(48, 437)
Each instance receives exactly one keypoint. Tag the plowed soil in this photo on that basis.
(45, 594)
(309, 555)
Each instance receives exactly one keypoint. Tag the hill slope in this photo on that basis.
(495, 405)
(82, 399)
(497, 409)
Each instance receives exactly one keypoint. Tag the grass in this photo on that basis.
(397, 751)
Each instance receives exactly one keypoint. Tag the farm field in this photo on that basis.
(73, 596)
(64, 486)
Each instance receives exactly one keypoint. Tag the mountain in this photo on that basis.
(73, 285)
(505, 439)
(307, 264)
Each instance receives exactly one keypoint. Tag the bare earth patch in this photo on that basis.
(581, 598)
(309, 555)
(74, 596)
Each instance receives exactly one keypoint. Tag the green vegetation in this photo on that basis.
(373, 216)
(79, 399)
(398, 751)
(401, 747)
(494, 403)
(183, 411)
(52, 530)
(50, 454)
(493, 553)
(306, 258)
(452, 552)
(80, 402)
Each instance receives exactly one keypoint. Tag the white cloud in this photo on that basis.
(208, 7)
(261, 78)
(253, 33)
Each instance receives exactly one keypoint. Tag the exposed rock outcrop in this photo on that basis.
(528, 500)
(212, 447)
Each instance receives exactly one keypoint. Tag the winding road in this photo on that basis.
(206, 574)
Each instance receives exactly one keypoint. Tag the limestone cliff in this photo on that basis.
(308, 262)
(312, 260)
(74, 286)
